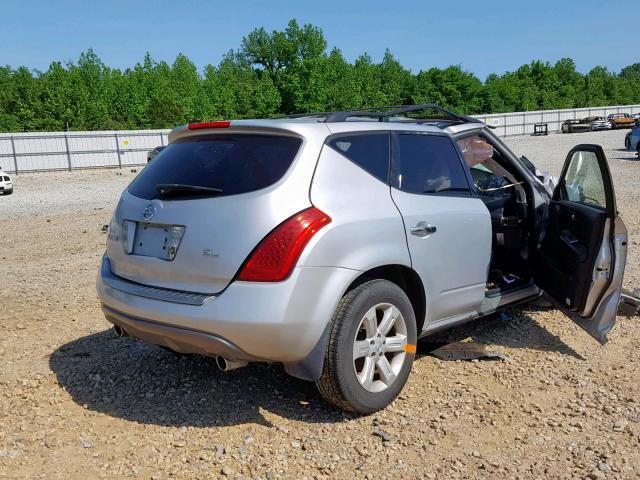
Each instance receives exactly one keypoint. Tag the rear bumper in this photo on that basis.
(178, 339)
(273, 322)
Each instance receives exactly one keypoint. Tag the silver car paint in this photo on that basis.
(273, 321)
(362, 213)
(453, 262)
(227, 228)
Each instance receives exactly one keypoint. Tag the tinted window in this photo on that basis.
(370, 151)
(427, 164)
(232, 163)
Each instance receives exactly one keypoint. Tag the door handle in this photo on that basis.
(423, 229)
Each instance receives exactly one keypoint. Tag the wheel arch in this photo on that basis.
(310, 368)
(407, 279)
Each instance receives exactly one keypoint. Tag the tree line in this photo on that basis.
(283, 72)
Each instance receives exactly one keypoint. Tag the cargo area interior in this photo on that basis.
(504, 192)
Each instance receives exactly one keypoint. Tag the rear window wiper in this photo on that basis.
(177, 189)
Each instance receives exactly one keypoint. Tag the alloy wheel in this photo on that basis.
(379, 347)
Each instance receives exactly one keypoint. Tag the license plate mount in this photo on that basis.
(153, 240)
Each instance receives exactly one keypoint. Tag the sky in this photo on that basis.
(482, 36)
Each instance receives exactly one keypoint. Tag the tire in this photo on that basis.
(627, 143)
(8, 192)
(353, 321)
(564, 129)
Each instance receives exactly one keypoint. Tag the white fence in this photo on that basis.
(29, 152)
(522, 123)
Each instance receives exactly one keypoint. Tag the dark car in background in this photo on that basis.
(154, 153)
(575, 125)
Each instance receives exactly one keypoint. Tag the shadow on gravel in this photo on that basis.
(513, 329)
(127, 378)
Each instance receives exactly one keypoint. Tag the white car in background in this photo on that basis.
(6, 184)
(598, 123)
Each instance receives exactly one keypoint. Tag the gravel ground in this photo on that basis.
(76, 402)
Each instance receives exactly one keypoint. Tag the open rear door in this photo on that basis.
(580, 261)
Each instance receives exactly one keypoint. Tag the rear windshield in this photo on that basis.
(216, 165)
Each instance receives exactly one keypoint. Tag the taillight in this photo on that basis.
(274, 258)
(219, 124)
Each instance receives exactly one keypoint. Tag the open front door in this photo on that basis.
(580, 261)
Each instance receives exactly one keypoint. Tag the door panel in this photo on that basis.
(580, 262)
(566, 256)
(448, 231)
(452, 260)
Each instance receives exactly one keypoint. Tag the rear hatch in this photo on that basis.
(193, 215)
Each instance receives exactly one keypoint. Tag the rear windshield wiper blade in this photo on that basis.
(168, 189)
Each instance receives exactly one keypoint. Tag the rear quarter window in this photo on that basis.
(370, 151)
(231, 163)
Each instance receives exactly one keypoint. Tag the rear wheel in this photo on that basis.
(627, 143)
(371, 348)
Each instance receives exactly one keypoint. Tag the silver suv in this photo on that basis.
(331, 242)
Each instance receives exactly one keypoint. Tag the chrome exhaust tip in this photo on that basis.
(226, 364)
(119, 331)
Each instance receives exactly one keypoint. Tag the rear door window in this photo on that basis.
(217, 165)
(370, 151)
(427, 164)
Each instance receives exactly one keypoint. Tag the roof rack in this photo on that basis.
(384, 114)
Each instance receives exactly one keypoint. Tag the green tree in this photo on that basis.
(280, 55)
(235, 90)
(280, 72)
(327, 83)
(451, 88)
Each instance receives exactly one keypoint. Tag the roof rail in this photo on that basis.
(385, 113)
(383, 116)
